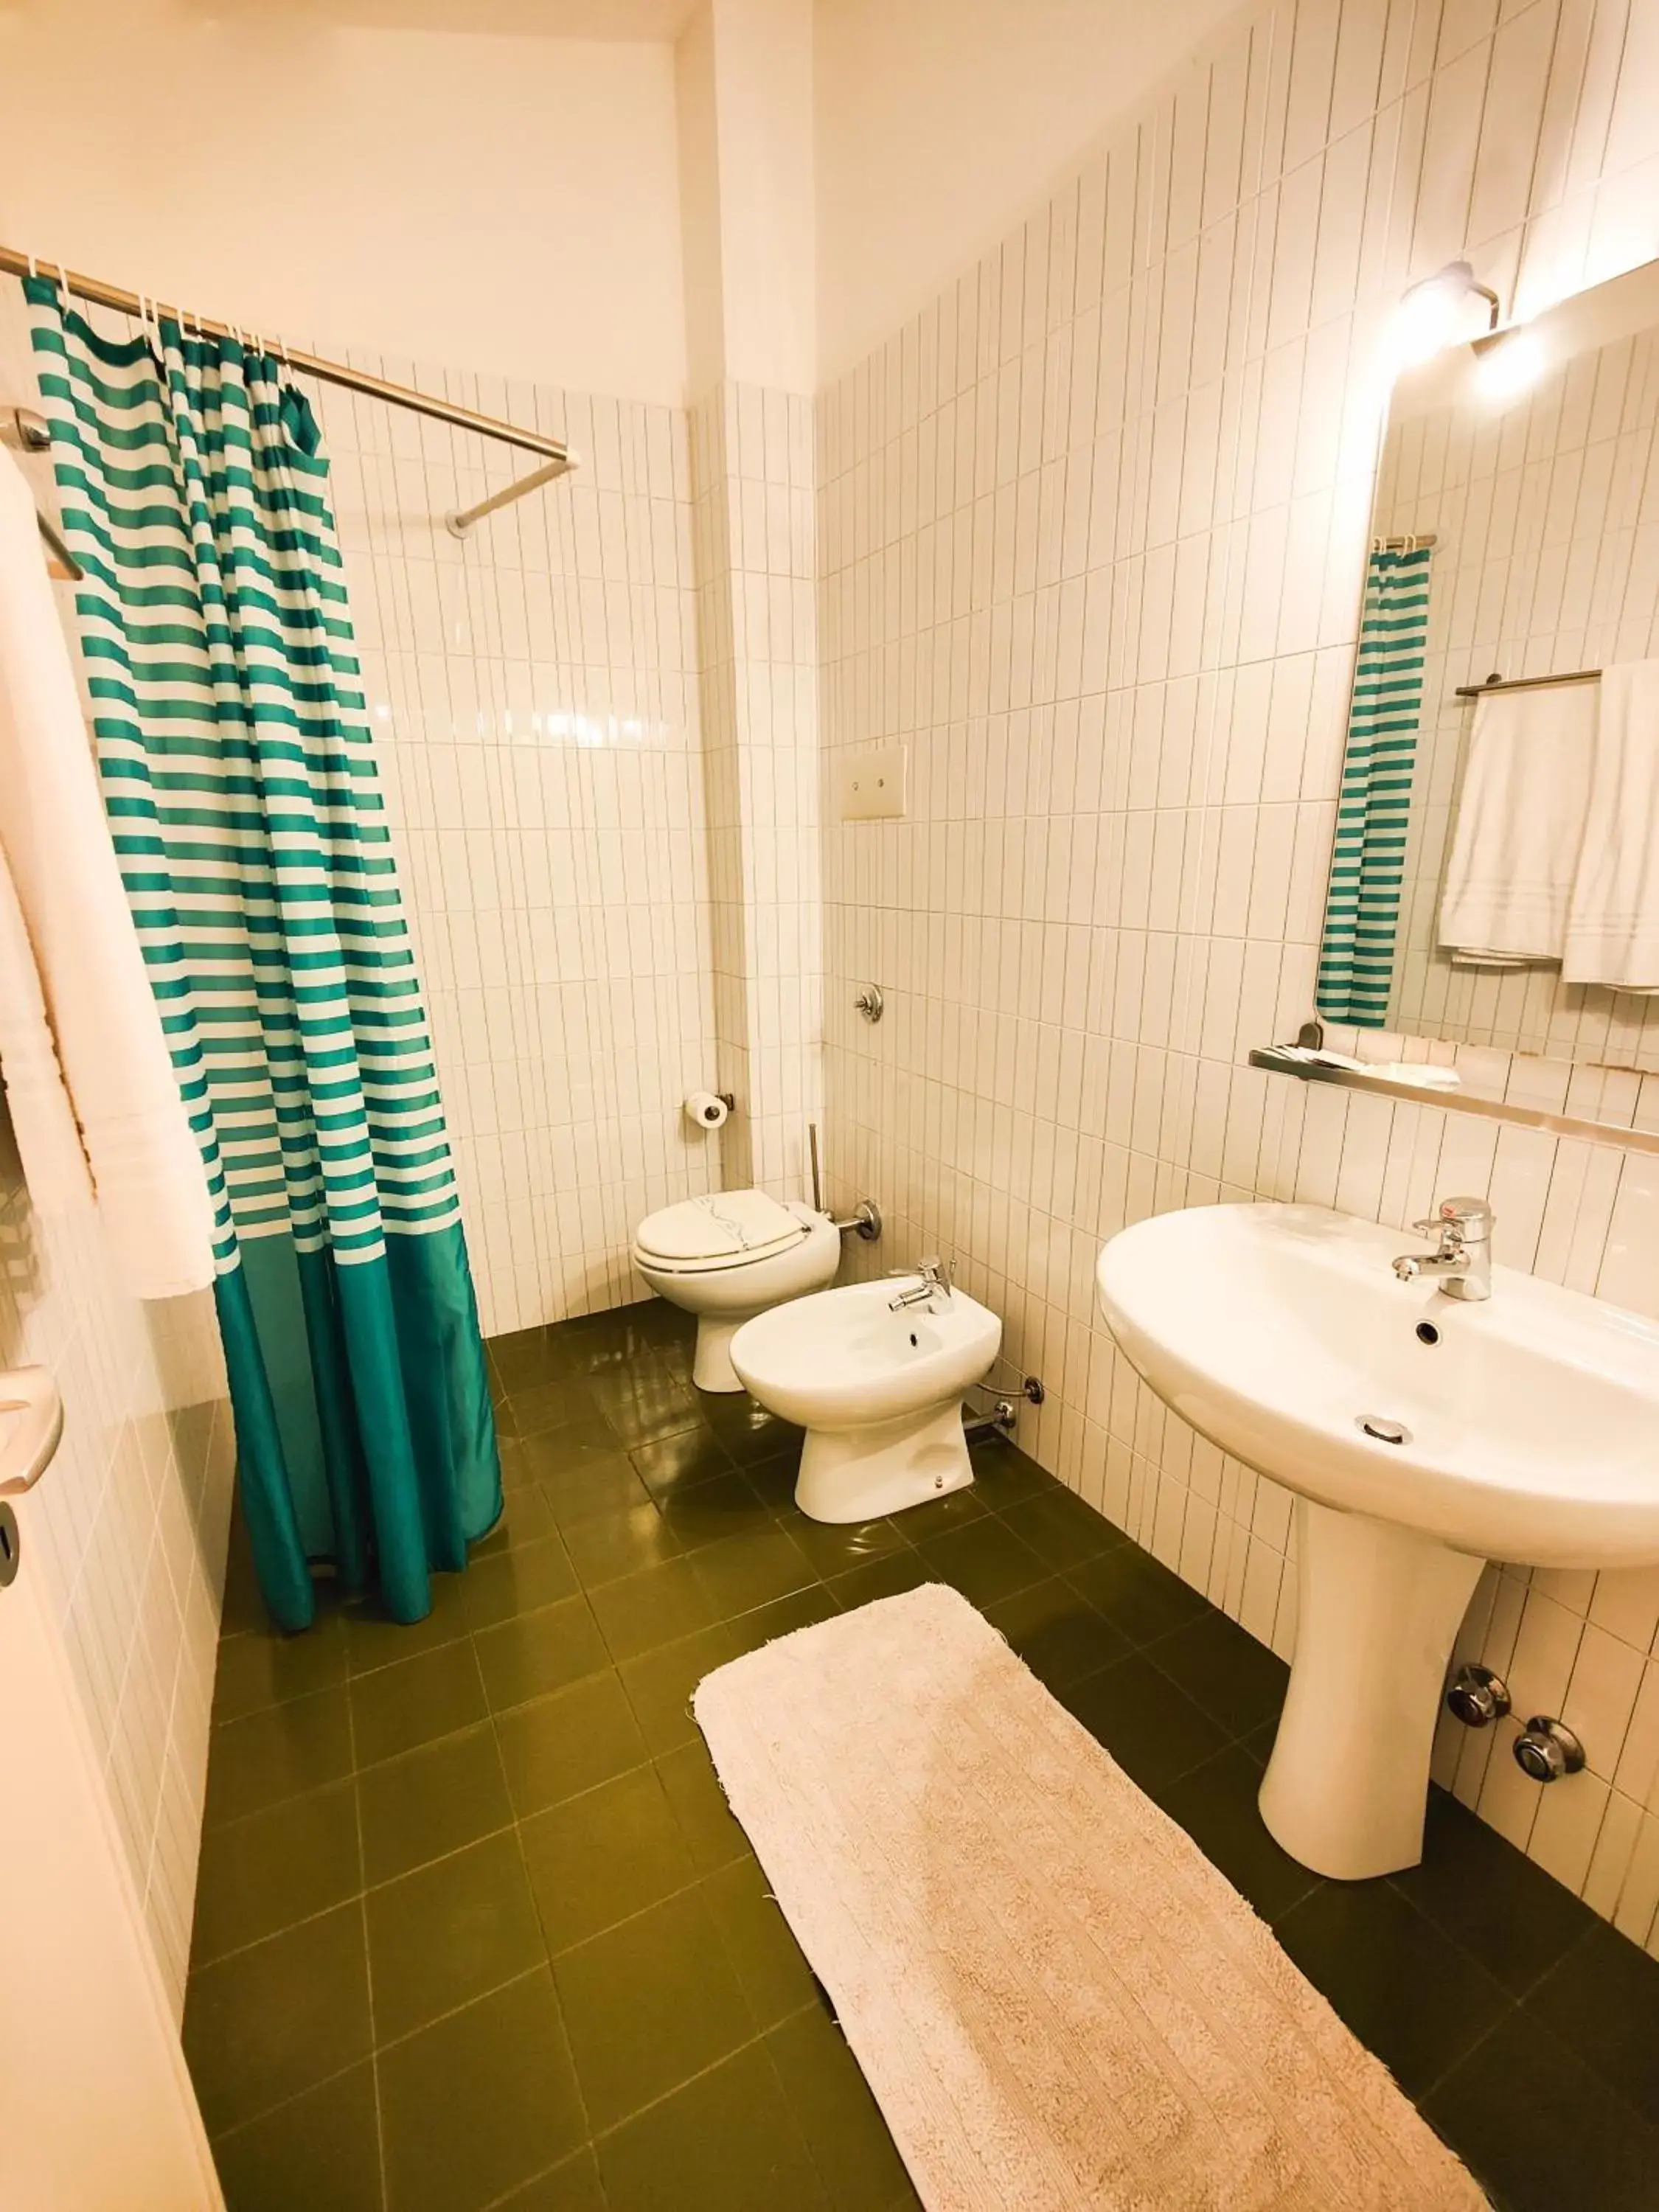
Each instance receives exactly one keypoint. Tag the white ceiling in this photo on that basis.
(628, 20)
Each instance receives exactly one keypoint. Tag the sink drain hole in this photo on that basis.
(1385, 1430)
(1427, 1332)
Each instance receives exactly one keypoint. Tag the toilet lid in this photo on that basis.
(726, 1225)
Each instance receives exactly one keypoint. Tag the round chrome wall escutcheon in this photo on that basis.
(1547, 1749)
(1477, 1697)
(870, 1002)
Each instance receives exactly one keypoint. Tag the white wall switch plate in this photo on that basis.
(870, 784)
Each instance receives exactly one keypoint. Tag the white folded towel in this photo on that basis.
(146, 1169)
(1613, 923)
(1520, 824)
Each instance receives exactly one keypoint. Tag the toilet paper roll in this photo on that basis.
(705, 1110)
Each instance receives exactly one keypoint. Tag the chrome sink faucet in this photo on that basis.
(1462, 1260)
(935, 1282)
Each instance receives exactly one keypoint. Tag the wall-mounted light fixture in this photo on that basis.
(1436, 311)
(1508, 365)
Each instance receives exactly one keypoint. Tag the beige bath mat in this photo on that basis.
(1057, 2001)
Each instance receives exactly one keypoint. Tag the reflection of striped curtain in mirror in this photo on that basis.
(1362, 905)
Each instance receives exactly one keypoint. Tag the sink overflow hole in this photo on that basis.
(1385, 1431)
(1427, 1332)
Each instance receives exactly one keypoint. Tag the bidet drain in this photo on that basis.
(1380, 1426)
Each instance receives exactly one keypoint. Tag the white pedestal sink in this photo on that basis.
(1528, 1430)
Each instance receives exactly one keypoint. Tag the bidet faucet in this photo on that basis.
(935, 1282)
(1462, 1260)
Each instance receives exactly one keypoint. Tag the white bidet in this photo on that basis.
(878, 1391)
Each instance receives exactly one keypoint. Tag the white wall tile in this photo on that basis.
(1219, 348)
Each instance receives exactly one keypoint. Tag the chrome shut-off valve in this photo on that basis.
(1547, 1749)
(1477, 1697)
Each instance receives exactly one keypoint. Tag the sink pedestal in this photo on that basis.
(1378, 1607)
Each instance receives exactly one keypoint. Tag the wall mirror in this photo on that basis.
(1495, 877)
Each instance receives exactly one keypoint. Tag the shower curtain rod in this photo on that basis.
(553, 451)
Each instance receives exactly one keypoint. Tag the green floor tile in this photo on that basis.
(579, 1479)
(724, 1505)
(1062, 1528)
(1540, 2129)
(747, 1430)
(837, 1547)
(572, 2187)
(432, 1800)
(1137, 1594)
(643, 1410)
(713, 1836)
(660, 1684)
(1221, 1667)
(526, 1356)
(919, 1523)
(1215, 1804)
(526, 1518)
(725, 2142)
(557, 1746)
(264, 1668)
(562, 1401)
(280, 2017)
(889, 1577)
(450, 1932)
(327, 2139)
(1056, 1632)
(518, 1580)
(983, 1560)
(1604, 1998)
(774, 1480)
(1501, 1908)
(746, 1572)
(800, 1609)
(611, 1545)
(646, 2005)
(278, 1754)
(660, 1605)
(1408, 1992)
(480, 2102)
(681, 1460)
(539, 1651)
(841, 2122)
(396, 1708)
(770, 1967)
(1003, 1475)
(373, 1639)
(1152, 1729)
(597, 1858)
(261, 1873)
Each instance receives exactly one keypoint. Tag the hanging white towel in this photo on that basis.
(1520, 823)
(145, 1168)
(42, 1119)
(1612, 925)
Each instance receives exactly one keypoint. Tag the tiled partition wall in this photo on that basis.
(534, 691)
(752, 469)
(1091, 527)
(1547, 517)
(128, 1528)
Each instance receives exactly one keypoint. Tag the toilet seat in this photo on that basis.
(720, 1231)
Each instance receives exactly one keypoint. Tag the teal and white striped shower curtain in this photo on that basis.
(244, 802)
(1362, 904)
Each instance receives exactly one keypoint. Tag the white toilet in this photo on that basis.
(728, 1256)
(877, 1388)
